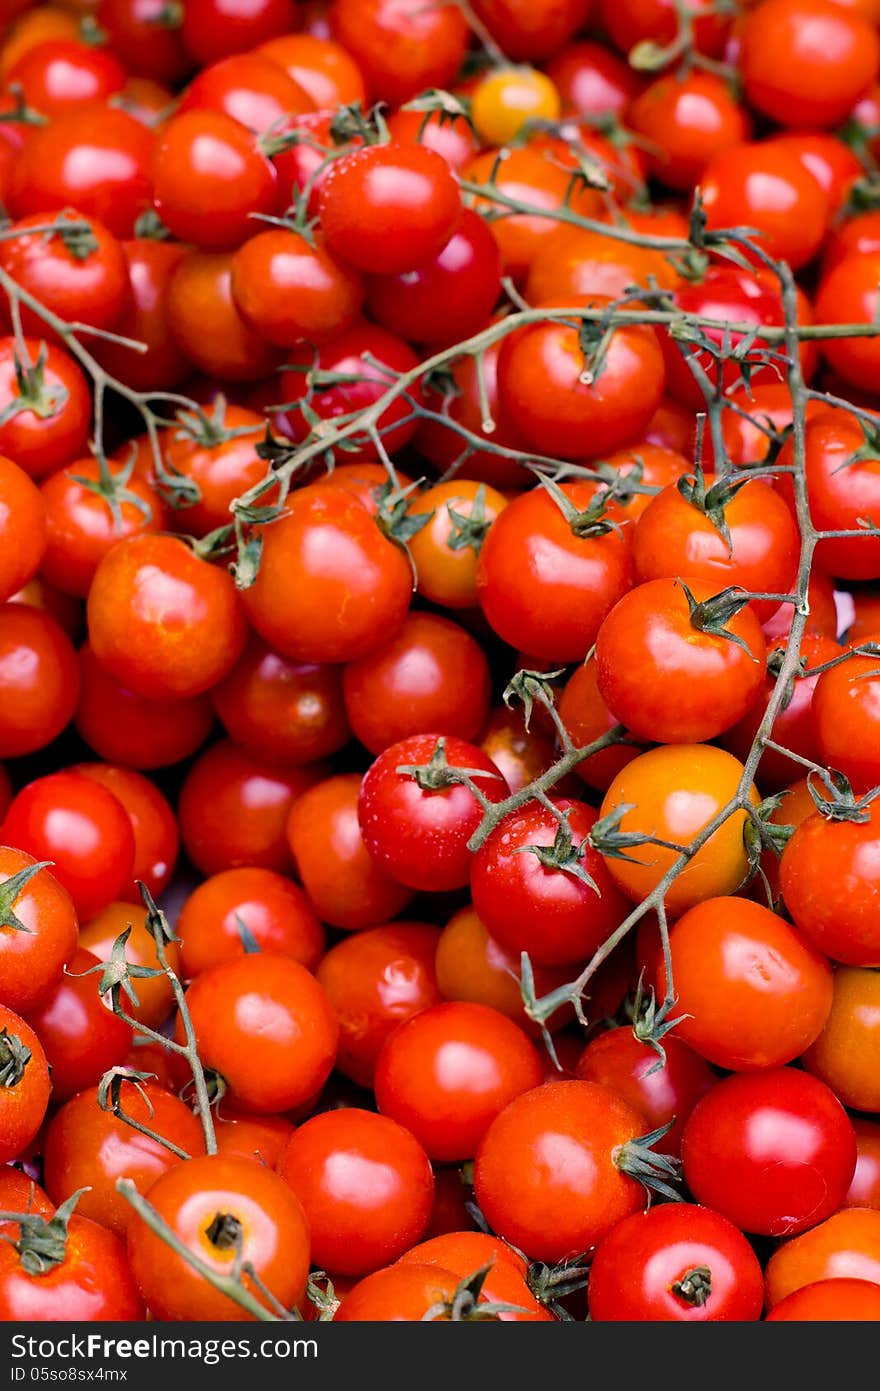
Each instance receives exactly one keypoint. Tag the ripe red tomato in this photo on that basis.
(864, 1191)
(401, 49)
(265, 1024)
(452, 137)
(805, 62)
(80, 276)
(829, 879)
(88, 510)
(81, 1036)
(139, 32)
(204, 324)
(845, 1246)
(675, 1263)
(401, 1293)
(665, 674)
(89, 1282)
(87, 1147)
(275, 912)
(225, 1210)
(544, 582)
(753, 992)
(687, 119)
(252, 1137)
(22, 528)
(149, 267)
(325, 70)
(24, 1095)
(327, 543)
(845, 1052)
(766, 187)
(248, 87)
(773, 1151)
(531, 904)
(83, 829)
(287, 287)
(155, 997)
(447, 1072)
(233, 808)
(45, 405)
(636, 21)
(848, 294)
(374, 981)
(417, 829)
(663, 1094)
(841, 489)
(365, 1185)
(465, 408)
(840, 1300)
(156, 838)
(592, 81)
(162, 621)
(575, 261)
(32, 960)
(550, 1172)
(61, 74)
(465, 1252)
(586, 717)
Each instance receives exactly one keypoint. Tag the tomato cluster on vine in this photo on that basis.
(439, 660)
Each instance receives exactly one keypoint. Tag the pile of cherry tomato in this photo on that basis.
(440, 660)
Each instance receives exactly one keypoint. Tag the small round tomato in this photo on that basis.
(24, 1094)
(506, 99)
(327, 544)
(346, 886)
(520, 755)
(91, 506)
(95, 158)
(401, 1293)
(81, 1036)
(44, 405)
(664, 1095)
(752, 992)
(675, 1263)
(61, 74)
(658, 21)
(233, 808)
(265, 1025)
(204, 324)
(81, 276)
(541, 888)
(431, 675)
(248, 87)
(845, 1246)
(830, 880)
(218, 454)
(325, 70)
(773, 1151)
(465, 1252)
(587, 718)
(526, 31)
(673, 793)
(19, 1193)
(213, 29)
(374, 981)
(141, 33)
(84, 1279)
(805, 62)
(446, 549)
(263, 1138)
(288, 288)
(162, 621)
(473, 967)
(89, 1148)
(845, 1053)
(22, 528)
(149, 267)
(39, 681)
(575, 261)
(366, 1188)
(274, 707)
(447, 1072)
(131, 729)
(832, 162)
(401, 49)
(467, 414)
(864, 1191)
(227, 1211)
(766, 187)
(592, 81)
(687, 119)
(826, 1301)
(417, 825)
(446, 298)
(388, 209)
(545, 581)
(452, 137)
(235, 905)
(156, 839)
(32, 959)
(665, 670)
(155, 997)
(842, 488)
(551, 1172)
(564, 406)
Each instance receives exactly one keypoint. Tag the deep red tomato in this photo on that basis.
(687, 119)
(831, 162)
(143, 35)
(447, 1072)
(218, 454)
(88, 510)
(162, 621)
(401, 49)
(131, 729)
(545, 582)
(842, 487)
(754, 994)
(326, 544)
(826, 1301)
(87, 1147)
(274, 911)
(587, 717)
(80, 1034)
(533, 901)
(251, 1137)
(24, 1096)
(773, 1151)
(528, 31)
(209, 176)
(657, 20)
(274, 707)
(22, 528)
(366, 1187)
(95, 158)
(864, 1191)
(88, 1281)
(83, 829)
(61, 74)
(830, 880)
(805, 63)
(81, 276)
(32, 960)
(417, 827)
(665, 674)
(265, 1024)
(592, 81)
(374, 981)
(452, 137)
(233, 808)
(45, 405)
(465, 409)
(675, 1263)
(766, 187)
(550, 1175)
(248, 87)
(225, 1210)
(150, 265)
(848, 294)
(288, 287)
(431, 675)
(663, 1094)
(204, 324)
(212, 29)
(19, 1193)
